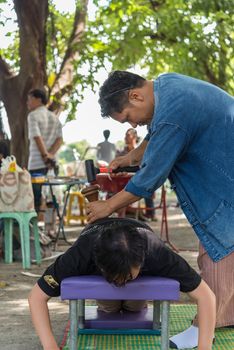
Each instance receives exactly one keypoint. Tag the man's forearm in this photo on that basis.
(121, 200)
(137, 154)
(101, 209)
(41, 146)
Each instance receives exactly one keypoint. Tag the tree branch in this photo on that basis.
(65, 75)
(161, 37)
(5, 75)
(5, 71)
(210, 75)
(156, 4)
(56, 104)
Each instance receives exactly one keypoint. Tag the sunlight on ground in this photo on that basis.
(20, 285)
(22, 305)
(18, 305)
(176, 217)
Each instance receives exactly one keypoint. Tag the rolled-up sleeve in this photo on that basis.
(74, 262)
(165, 146)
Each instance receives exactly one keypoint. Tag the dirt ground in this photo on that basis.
(16, 331)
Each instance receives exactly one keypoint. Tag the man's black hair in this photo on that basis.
(113, 94)
(38, 93)
(117, 249)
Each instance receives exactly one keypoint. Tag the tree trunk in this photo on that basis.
(19, 137)
(16, 109)
(32, 16)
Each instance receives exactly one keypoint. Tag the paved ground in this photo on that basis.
(16, 331)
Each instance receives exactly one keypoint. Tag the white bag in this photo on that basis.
(16, 194)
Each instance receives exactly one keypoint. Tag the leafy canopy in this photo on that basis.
(193, 37)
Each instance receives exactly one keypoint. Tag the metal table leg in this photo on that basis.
(60, 216)
(73, 324)
(165, 325)
(156, 314)
(81, 314)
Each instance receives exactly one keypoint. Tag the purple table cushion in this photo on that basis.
(142, 288)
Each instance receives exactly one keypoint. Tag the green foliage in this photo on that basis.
(59, 27)
(85, 65)
(193, 37)
(70, 152)
(11, 53)
(120, 145)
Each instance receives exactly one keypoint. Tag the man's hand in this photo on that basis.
(101, 209)
(120, 162)
(49, 160)
(47, 156)
(130, 159)
(98, 210)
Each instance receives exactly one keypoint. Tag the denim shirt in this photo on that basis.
(191, 142)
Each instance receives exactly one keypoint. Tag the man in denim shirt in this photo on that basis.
(191, 142)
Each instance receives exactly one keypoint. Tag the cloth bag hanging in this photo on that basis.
(16, 194)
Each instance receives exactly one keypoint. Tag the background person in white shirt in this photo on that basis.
(45, 136)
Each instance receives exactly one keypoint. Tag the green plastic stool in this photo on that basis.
(23, 220)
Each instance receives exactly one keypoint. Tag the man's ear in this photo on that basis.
(135, 95)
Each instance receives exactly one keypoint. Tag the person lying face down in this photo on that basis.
(120, 250)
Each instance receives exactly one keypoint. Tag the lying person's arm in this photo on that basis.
(40, 317)
(74, 261)
(206, 309)
(164, 262)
